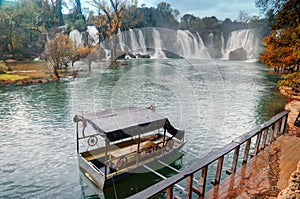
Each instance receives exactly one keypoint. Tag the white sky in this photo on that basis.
(206, 8)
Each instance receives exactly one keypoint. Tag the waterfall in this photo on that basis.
(142, 43)
(211, 39)
(121, 40)
(157, 45)
(134, 46)
(222, 43)
(153, 42)
(191, 46)
(243, 38)
(93, 35)
(76, 37)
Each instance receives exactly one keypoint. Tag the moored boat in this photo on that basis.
(116, 142)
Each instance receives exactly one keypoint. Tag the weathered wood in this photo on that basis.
(265, 135)
(203, 163)
(219, 171)
(271, 138)
(170, 192)
(234, 161)
(202, 181)
(189, 186)
(246, 153)
(257, 144)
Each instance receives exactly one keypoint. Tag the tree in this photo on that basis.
(59, 52)
(270, 8)
(109, 20)
(243, 16)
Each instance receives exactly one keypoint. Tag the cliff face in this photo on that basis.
(293, 189)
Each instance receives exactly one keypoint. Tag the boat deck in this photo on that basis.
(254, 178)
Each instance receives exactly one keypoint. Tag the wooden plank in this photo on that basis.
(170, 192)
(246, 153)
(219, 171)
(202, 181)
(234, 161)
(189, 186)
(257, 144)
(271, 138)
(264, 140)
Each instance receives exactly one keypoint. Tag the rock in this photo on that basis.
(3, 67)
(293, 189)
(238, 54)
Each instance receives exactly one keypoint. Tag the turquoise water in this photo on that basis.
(213, 101)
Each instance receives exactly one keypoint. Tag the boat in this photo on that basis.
(118, 142)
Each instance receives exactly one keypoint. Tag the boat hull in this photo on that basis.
(98, 177)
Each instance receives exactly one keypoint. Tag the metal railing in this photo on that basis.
(265, 134)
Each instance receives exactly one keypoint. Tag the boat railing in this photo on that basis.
(264, 135)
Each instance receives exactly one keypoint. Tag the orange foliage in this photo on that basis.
(282, 49)
(83, 52)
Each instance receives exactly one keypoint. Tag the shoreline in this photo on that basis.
(33, 72)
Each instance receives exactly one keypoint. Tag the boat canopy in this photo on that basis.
(116, 124)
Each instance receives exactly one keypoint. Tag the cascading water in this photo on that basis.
(142, 43)
(159, 53)
(76, 37)
(191, 46)
(245, 39)
(187, 45)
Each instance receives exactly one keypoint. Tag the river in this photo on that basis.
(214, 101)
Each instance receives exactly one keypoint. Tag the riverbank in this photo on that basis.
(293, 105)
(35, 72)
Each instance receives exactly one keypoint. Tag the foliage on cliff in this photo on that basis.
(283, 44)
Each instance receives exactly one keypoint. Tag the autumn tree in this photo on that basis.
(59, 52)
(282, 45)
(109, 20)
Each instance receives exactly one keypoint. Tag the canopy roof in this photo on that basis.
(121, 123)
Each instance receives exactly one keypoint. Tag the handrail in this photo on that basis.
(271, 129)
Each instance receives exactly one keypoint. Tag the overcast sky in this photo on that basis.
(206, 8)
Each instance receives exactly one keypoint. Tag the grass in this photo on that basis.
(10, 77)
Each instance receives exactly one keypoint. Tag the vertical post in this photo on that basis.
(219, 171)
(277, 126)
(246, 153)
(256, 149)
(138, 150)
(170, 192)
(164, 137)
(271, 138)
(105, 159)
(265, 135)
(77, 136)
(202, 181)
(234, 161)
(189, 186)
(285, 122)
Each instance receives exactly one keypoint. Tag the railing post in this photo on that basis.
(277, 129)
(170, 192)
(202, 181)
(285, 122)
(219, 171)
(264, 139)
(256, 149)
(246, 153)
(189, 186)
(234, 161)
(271, 138)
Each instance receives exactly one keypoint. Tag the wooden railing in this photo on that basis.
(265, 134)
